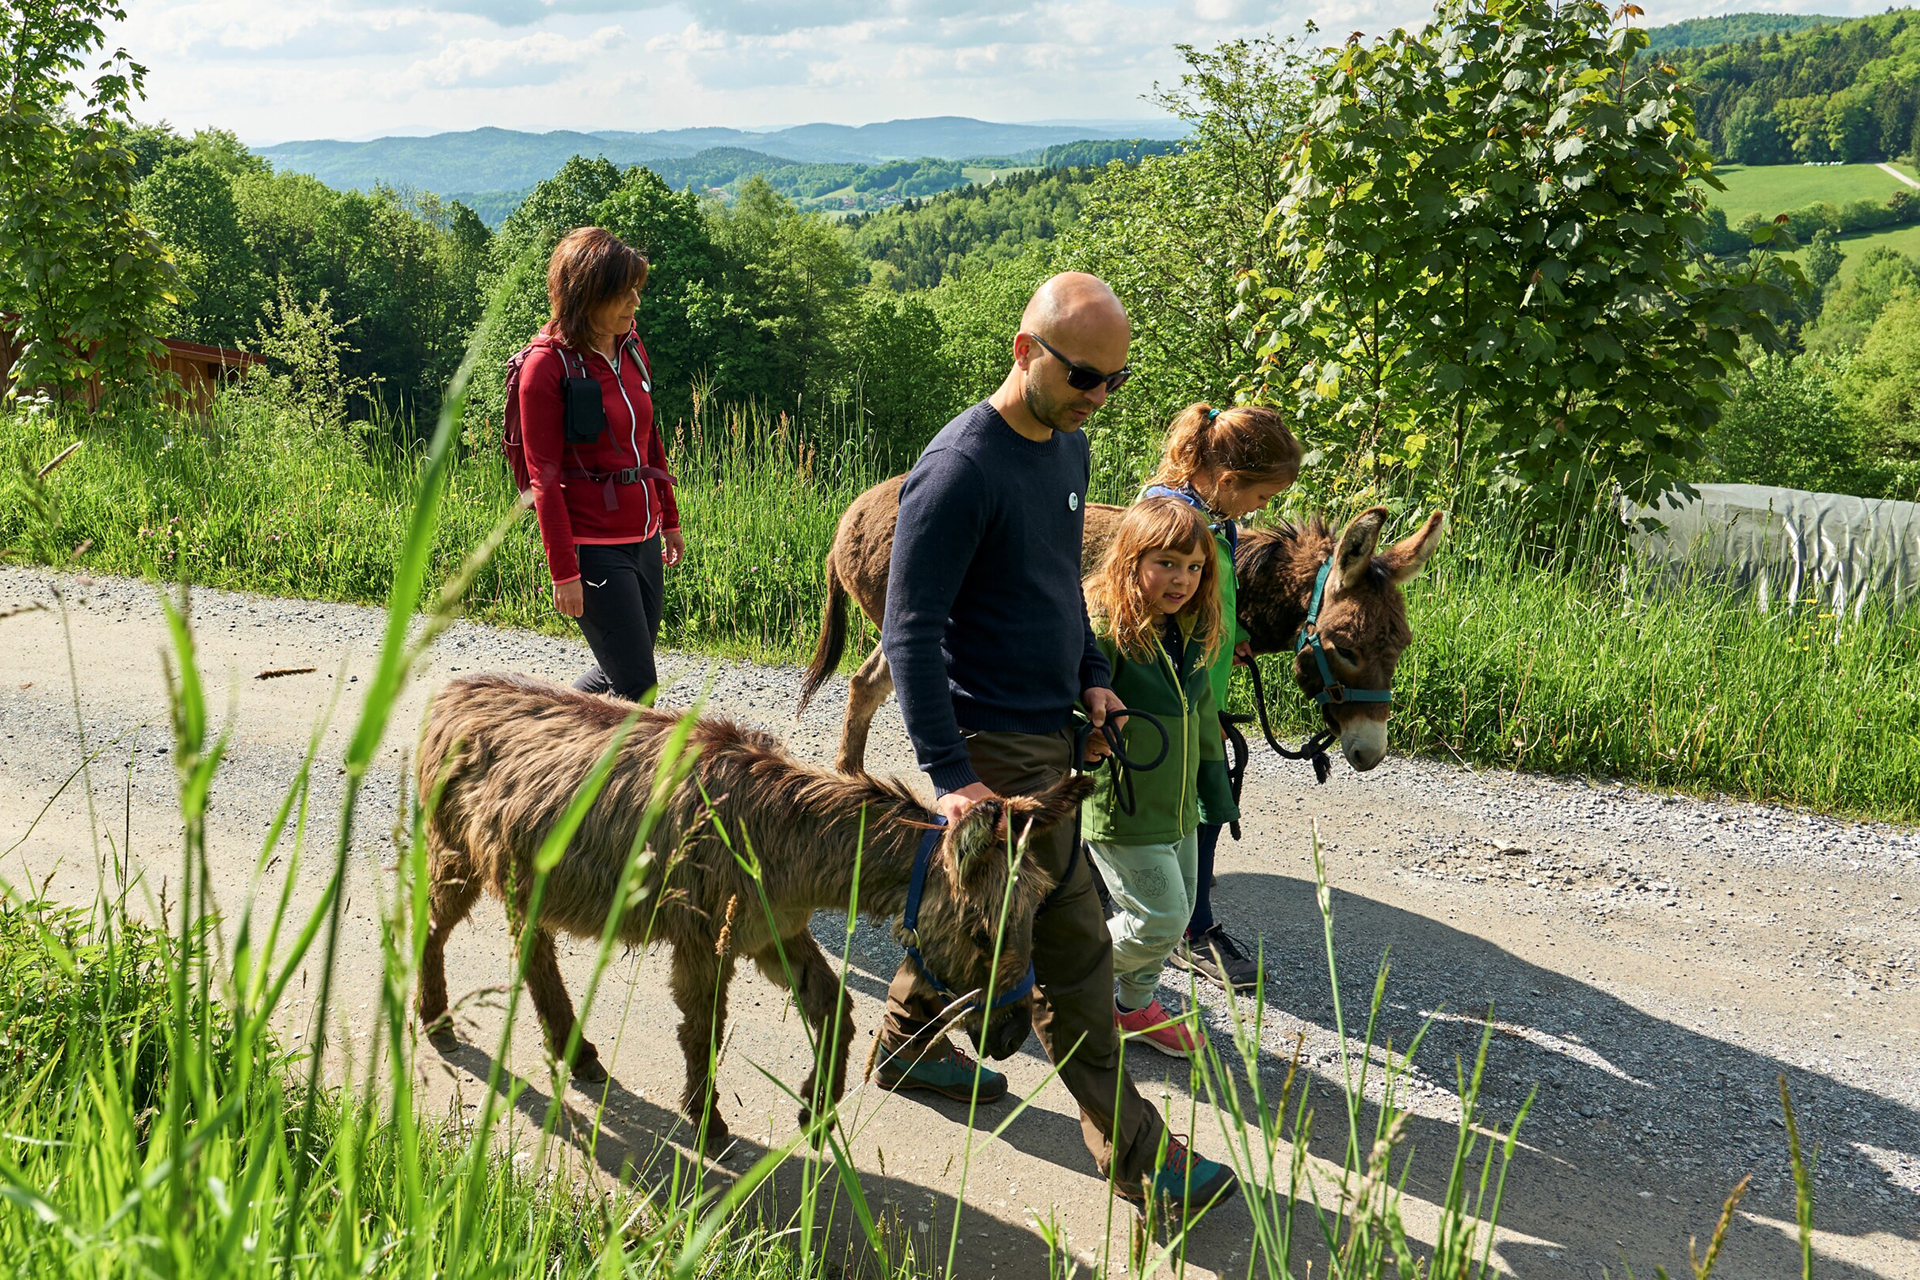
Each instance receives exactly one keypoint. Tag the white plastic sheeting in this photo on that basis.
(1844, 554)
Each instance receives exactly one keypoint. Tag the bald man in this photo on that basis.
(987, 637)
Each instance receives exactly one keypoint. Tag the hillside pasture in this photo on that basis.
(1904, 239)
(1777, 188)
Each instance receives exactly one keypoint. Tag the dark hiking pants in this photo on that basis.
(620, 594)
(1203, 896)
(1072, 964)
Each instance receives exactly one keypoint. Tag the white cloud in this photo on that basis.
(540, 58)
(274, 69)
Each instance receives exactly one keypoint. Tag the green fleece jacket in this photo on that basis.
(1178, 690)
(1216, 789)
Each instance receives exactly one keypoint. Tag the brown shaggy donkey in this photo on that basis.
(1363, 620)
(507, 754)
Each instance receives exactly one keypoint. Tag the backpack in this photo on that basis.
(511, 442)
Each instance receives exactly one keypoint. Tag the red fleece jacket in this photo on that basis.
(573, 508)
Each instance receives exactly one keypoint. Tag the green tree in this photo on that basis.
(1791, 423)
(1752, 137)
(85, 278)
(189, 203)
(1882, 277)
(1885, 379)
(1852, 134)
(788, 298)
(1822, 260)
(1497, 244)
(1177, 234)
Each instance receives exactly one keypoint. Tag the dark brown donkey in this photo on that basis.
(506, 756)
(1362, 623)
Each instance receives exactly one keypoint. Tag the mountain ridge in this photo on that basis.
(492, 158)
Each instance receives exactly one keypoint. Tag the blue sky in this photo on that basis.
(275, 70)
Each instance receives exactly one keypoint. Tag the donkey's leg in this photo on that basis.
(867, 689)
(451, 892)
(699, 985)
(555, 1007)
(827, 1008)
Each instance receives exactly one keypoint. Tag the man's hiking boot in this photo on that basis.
(1184, 1181)
(941, 1068)
(1172, 1034)
(1215, 955)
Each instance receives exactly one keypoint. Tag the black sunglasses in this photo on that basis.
(1081, 378)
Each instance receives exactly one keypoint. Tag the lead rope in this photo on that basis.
(1314, 749)
(1118, 762)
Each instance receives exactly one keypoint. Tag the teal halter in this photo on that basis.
(1332, 692)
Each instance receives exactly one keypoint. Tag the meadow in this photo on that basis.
(1776, 188)
(1557, 658)
(1854, 247)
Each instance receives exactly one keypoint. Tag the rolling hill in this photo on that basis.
(1695, 33)
(493, 160)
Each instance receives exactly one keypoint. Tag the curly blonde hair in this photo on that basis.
(1113, 590)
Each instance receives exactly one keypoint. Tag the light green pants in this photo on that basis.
(1153, 887)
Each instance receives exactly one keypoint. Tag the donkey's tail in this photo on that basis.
(831, 644)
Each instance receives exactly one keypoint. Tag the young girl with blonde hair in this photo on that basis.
(1227, 464)
(1155, 607)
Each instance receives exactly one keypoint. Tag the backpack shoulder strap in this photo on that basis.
(640, 353)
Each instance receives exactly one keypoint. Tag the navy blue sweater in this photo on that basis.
(986, 628)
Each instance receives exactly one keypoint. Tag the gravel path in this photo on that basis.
(1653, 963)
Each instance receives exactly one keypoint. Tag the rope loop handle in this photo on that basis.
(1118, 762)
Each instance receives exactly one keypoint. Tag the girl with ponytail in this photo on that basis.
(1227, 463)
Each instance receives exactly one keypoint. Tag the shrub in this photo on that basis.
(1790, 424)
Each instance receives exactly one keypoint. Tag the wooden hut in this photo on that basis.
(198, 369)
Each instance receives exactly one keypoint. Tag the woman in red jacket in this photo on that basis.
(600, 484)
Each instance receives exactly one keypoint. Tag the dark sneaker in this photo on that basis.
(1215, 955)
(1184, 1181)
(943, 1069)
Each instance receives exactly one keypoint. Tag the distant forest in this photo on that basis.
(1695, 33)
(1848, 92)
(919, 244)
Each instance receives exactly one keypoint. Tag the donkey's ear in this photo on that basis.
(1037, 813)
(1355, 552)
(1405, 558)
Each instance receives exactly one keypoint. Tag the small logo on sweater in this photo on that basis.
(1073, 502)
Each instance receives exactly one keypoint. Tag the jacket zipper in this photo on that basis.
(1186, 714)
(633, 431)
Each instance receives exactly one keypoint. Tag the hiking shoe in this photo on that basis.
(1183, 1181)
(943, 1069)
(1215, 955)
(1172, 1034)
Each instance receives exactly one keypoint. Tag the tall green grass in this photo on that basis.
(253, 498)
(1561, 660)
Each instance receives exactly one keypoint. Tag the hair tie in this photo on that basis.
(1212, 414)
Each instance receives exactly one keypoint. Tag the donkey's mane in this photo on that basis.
(1316, 529)
(783, 783)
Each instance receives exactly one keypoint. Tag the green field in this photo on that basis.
(1905, 239)
(1773, 189)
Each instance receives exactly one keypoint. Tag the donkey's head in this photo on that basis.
(977, 881)
(1362, 623)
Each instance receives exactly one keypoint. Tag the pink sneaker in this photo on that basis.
(1170, 1033)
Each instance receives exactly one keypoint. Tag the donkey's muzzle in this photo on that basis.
(1006, 1031)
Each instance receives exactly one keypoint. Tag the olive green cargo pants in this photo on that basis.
(1072, 965)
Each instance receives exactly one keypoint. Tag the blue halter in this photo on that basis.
(910, 921)
(1332, 692)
